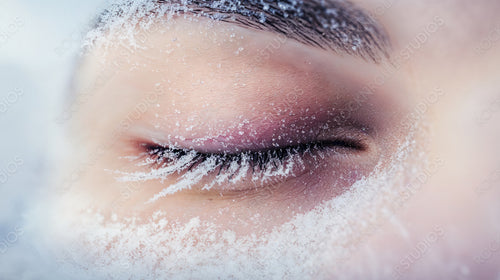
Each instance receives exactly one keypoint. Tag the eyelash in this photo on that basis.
(265, 166)
(258, 160)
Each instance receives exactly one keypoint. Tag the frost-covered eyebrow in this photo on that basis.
(336, 25)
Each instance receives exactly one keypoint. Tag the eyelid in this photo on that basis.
(229, 141)
(358, 144)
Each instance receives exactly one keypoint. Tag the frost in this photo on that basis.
(313, 244)
(230, 171)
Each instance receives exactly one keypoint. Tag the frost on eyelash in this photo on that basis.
(228, 173)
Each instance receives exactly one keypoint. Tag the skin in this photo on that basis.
(444, 80)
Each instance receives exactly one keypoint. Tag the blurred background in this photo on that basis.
(39, 44)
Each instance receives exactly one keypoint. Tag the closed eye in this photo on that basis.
(234, 171)
(258, 160)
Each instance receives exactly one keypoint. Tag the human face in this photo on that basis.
(241, 143)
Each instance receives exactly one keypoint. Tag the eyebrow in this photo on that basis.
(336, 25)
